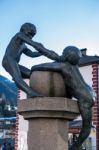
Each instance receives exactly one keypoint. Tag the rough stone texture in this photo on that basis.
(48, 83)
(48, 121)
(56, 107)
(48, 134)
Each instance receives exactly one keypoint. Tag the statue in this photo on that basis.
(13, 53)
(66, 64)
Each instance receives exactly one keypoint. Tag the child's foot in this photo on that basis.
(34, 94)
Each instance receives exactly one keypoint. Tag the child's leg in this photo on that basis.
(85, 103)
(86, 113)
(25, 72)
(14, 71)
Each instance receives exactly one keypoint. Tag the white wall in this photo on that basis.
(23, 125)
(86, 72)
(22, 134)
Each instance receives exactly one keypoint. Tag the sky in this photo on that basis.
(59, 23)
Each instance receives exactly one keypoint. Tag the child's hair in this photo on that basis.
(28, 27)
(71, 54)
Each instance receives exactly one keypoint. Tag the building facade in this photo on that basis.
(89, 67)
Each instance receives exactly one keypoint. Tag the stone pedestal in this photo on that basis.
(48, 121)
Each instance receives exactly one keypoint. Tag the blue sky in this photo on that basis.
(59, 23)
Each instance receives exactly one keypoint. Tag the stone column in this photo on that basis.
(48, 121)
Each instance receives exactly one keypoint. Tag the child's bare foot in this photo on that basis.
(34, 94)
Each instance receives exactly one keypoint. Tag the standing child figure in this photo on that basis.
(13, 53)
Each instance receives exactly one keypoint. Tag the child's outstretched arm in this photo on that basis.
(46, 52)
(39, 47)
(48, 67)
(29, 53)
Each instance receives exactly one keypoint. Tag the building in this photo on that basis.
(7, 130)
(89, 67)
(8, 99)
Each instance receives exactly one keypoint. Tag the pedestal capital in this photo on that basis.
(48, 107)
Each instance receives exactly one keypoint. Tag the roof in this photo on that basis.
(7, 118)
(88, 60)
(76, 124)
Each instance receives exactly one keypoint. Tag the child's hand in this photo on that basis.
(37, 45)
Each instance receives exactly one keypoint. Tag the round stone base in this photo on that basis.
(48, 83)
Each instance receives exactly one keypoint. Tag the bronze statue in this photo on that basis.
(13, 53)
(67, 65)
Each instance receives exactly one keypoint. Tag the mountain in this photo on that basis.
(8, 97)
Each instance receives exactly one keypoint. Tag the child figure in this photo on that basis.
(67, 65)
(13, 53)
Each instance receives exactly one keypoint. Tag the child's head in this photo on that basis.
(29, 29)
(71, 54)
